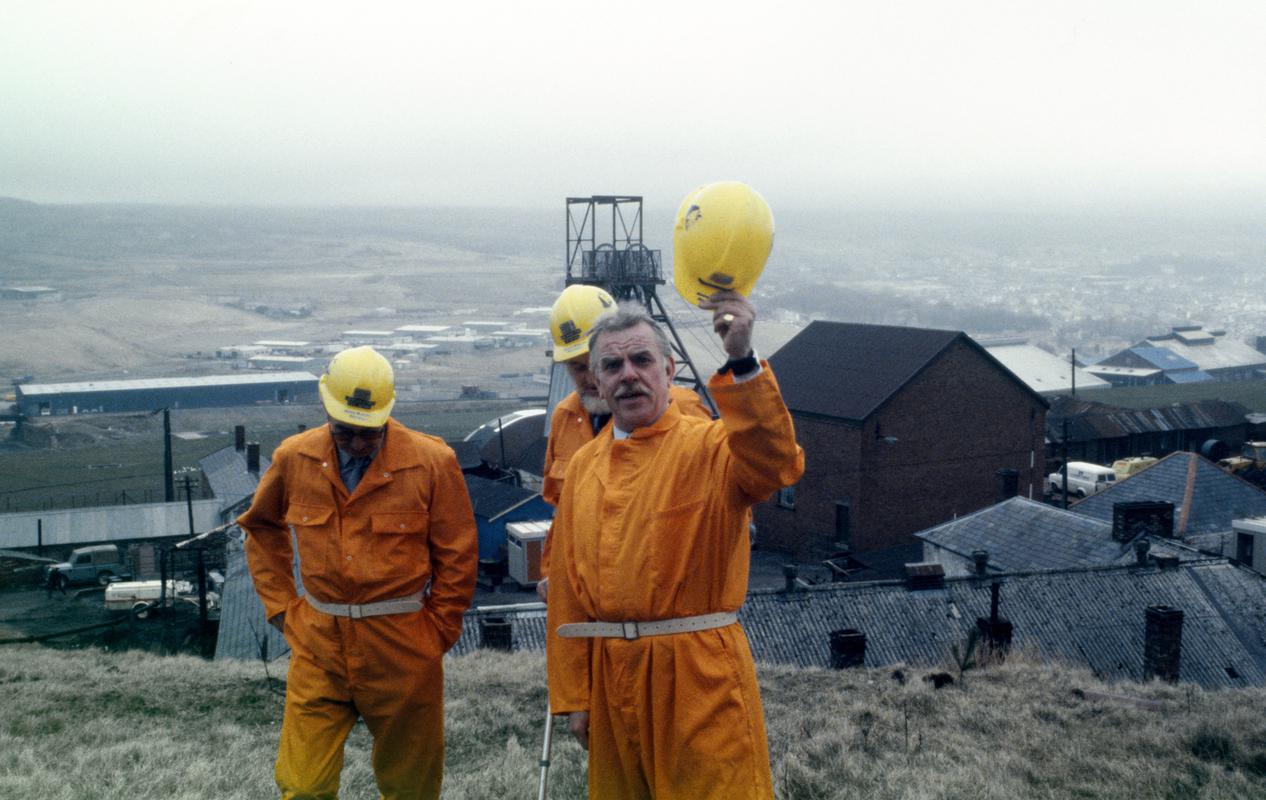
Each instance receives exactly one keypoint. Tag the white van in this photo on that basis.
(1084, 479)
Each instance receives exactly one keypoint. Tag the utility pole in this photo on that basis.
(1072, 368)
(169, 487)
(189, 505)
(1064, 442)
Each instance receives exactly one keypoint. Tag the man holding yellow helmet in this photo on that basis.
(387, 553)
(582, 414)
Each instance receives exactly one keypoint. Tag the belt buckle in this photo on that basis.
(354, 612)
(629, 631)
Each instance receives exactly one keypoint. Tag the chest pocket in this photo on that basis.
(314, 533)
(399, 540)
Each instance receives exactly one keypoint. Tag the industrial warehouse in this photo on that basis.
(106, 397)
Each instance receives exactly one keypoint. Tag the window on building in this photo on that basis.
(787, 497)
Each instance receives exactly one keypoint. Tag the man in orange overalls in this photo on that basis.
(579, 416)
(650, 564)
(387, 553)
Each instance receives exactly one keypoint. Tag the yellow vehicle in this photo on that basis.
(1125, 467)
(1250, 464)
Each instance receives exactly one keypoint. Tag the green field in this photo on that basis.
(99, 463)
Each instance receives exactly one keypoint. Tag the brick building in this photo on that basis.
(903, 428)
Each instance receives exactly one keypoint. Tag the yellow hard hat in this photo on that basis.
(359, 388)
(572, 317)
(722, 237)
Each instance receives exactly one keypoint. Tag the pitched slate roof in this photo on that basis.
(1093, 617)
(1022, 535)
(847, 371)
(226, 472)
(1205, 497)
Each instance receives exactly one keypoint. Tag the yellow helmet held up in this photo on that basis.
(572, 317)
(722, 237)
(359, 388)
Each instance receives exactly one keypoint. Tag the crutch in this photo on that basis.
(543, 790)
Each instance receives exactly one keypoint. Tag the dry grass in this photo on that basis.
(94, 725)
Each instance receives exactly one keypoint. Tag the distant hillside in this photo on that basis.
(91, 724)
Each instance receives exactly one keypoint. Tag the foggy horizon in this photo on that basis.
(912, 107)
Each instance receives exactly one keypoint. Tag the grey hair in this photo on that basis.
(625, 316)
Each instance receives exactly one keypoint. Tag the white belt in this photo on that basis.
(636, 630)
(400, 605)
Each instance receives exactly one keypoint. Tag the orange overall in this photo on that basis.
(655, 527)
(407, 523)
(570, 429)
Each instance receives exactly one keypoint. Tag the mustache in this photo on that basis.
(631, 391)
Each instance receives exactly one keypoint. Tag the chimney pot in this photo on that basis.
(1141, 548)
(790, 572)
(239, 438)
(252, 457)
(981, 558)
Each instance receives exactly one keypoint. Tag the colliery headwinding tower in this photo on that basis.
(605, 248)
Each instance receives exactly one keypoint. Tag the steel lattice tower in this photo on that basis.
(623, 265)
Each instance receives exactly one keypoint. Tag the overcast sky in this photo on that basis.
(898, 103)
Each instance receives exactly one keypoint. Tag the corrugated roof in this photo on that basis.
(1088, 421)
(1188, 376)
(1042, 371)
(847, 371)
(244, 634)
(1093, 617)
(1162, 357)
(1221, 353)
(226, 472)
(1206, 498)
(32, 389)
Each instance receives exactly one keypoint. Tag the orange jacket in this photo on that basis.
(655, 526)
(571, 429)
(408, 522)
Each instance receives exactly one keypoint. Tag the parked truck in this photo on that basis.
(98, 564)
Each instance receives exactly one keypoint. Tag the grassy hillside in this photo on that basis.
(89, 724)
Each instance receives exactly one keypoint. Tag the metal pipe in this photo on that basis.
(542, 789)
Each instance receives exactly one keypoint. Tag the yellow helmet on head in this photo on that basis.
(722, 237)
(572, 317)
(359, 388)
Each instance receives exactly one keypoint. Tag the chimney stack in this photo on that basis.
(495, 633)
(1141, 548)
(981, 559)
(1142, 517)
(1008, 484)
(252, 457)
(239, 438)
(790, 574)
(925, 575)
(1162, 643)
(848, 648)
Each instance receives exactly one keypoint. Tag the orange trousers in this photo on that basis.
(677, 718)
(380, 669)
